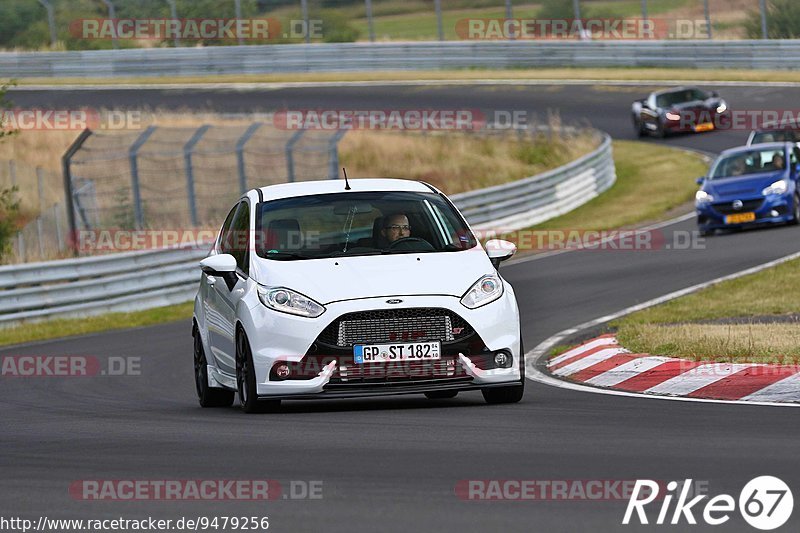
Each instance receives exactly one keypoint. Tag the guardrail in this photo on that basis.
(94, 285)
(265, 59)
(140, 280)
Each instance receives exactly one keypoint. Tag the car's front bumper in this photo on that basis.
(774, 209)
(281, 338)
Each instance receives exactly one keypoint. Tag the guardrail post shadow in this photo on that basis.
(333, 154)
(307, 29)
(237, 4)
(509, 16)
(368, 6)
(439, 27)
(764, 32)
(21, 247)
(290, 154)
(708, 18)
(133, 155)
(188, 149)
(240, 144)
(39, 228)
(69, 200)
(112, 14)
(59, 236)
(173, 12)
(51, 21)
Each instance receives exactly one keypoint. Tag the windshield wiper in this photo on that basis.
(281, 256)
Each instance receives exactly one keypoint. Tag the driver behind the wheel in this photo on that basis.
(395, 227)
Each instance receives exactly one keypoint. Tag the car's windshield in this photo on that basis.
(680, 97)
(749, 162)
(368, 223)
(773, 136)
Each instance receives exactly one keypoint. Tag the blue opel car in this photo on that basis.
(750, 185)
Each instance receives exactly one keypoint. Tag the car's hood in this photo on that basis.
(346, 278)
(750, 185)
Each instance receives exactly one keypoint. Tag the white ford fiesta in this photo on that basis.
(326, 289)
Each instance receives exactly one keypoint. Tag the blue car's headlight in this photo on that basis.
(289, 301)
(702, 197)
(779, 187)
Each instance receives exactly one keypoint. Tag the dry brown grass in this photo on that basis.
(720, 342)
(458, 162)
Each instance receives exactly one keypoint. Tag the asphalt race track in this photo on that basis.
(392, 464)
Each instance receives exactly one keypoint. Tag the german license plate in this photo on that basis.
(705, 126)
(740, 218)
(382, 353)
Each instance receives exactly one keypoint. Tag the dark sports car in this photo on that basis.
(684, 109)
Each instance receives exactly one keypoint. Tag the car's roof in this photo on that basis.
(673, 90)
(759, 146)
(306, 188)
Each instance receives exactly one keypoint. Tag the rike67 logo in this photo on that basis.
(765, 503)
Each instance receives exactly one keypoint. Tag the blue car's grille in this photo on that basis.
(726, 208)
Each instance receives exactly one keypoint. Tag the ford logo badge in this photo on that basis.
(394, 301)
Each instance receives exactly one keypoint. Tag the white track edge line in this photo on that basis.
(533, 356)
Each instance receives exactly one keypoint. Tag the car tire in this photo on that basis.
(512, 393)
(704, 232)
(441, 394)
(246, 379)
(638, 127)
(206, 395)
(795, 211)
(661, 130)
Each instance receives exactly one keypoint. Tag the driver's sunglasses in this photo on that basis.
(399, 227)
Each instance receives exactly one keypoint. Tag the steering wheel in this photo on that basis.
(407, 243)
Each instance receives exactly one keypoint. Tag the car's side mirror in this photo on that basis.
(499, 250)
(700, 180)
(221, 266)
(218, 265)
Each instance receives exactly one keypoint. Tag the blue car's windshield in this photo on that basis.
(749, 162)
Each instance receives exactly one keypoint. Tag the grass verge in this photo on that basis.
(667, 76)
(69, 327)
(748, 319)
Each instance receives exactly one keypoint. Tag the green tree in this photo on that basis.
(783, 20)
(9, 204)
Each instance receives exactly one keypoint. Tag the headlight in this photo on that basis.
(779, 187)
(703, 197)
(722, 107)
(487, 289)
(288, 301)
(672, 116)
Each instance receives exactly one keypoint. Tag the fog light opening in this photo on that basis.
(282, 371)
(502, 359)
(774, 213)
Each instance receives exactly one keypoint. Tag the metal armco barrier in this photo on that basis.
(140, 280)
(95, 285)
(529, 201)
(264, 59)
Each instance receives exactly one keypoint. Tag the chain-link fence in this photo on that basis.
(62, 23)
(44, 232)
(171, 177)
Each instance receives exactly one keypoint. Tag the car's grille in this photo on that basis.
(349, 372)
(726, 208)
(395, 325)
